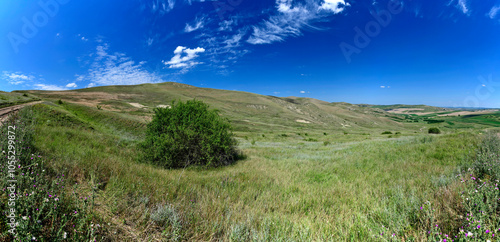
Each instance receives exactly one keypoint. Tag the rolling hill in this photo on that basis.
(247, 111)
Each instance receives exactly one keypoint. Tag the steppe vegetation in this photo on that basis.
(337, 178)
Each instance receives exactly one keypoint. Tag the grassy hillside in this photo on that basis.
(336, 178)
(13, 98)
(247, 111)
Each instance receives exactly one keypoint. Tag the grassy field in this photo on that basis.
(318, 181)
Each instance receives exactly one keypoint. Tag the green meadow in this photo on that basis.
(317, 180)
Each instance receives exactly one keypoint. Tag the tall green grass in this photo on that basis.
(47, 206)
(287, 189)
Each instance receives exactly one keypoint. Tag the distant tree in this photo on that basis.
(434, 131)
(387, 132)
(189, 133)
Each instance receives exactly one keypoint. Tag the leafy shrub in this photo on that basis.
(434, 131)
(398, 132)
(326, 143)
(25, 95)
(387, 132)
(189, 134)
(60, 102)
(325, 134)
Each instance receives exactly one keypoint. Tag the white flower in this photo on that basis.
(469, 234)
(65, 235)
(46, 200)
(24, 217)
(488, 240)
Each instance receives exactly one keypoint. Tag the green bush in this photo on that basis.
(189, 133)
(60, 102)
(387, 132)
(434, 131)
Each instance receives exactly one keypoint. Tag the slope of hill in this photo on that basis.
(247, 111)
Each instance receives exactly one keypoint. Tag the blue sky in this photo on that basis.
(441, 52)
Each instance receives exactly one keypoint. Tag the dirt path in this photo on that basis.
(4, 112)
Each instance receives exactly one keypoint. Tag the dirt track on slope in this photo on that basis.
(4, 112)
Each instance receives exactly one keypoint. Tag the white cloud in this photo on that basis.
(49, 87)
(85, 39)
(117, 69)
(186, 61)
(302, 92)
(291, 19)
(79, 77)
(227, 25)
(90, 85)
(382, 86)
(199, 23)
(493, 12)
(71, 85)
(462, 5)
(16, 78)
(336, 6)
(162, 6)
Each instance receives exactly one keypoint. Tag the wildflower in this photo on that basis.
(65, 235)
(479, 226)
(469, 234)
(487, 231)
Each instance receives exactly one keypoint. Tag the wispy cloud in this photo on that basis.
(198, 23)
(162, 6)
(16, 78)
(184, 58)
(462, 5)
(493, 12)
(291, 19)
(116, 69)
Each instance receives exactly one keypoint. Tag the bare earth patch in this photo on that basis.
(464, 113)
(405, 110)
(302, 121)
(137, 105)
(163, 106)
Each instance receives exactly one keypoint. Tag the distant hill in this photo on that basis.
(247, 111)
